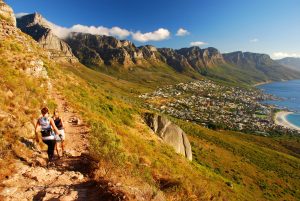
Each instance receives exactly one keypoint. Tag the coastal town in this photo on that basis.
(217, 106)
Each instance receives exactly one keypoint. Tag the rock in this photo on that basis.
(9, 94)
(36, 69)
(5, 115)
(158, 197)
(7, 13)
(170, 133)
(27, 130)
(73, 195)
(229, 184)
(74, 121)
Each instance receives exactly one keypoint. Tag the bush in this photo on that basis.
(105, 145)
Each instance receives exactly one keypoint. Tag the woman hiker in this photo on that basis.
(60, 126)
(47, 126)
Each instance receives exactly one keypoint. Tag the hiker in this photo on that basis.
(60, 126)
(47, 126)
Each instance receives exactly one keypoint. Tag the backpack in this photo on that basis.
(45, 126)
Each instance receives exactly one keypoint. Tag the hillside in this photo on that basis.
(132, 162)
(290, 62)
(121, 58)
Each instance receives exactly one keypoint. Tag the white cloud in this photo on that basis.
(182, 32)
(280, 55)
(159, 34)
(117, 31)
(254, 40)
(63, 32)
(18, 15)
(198, 43)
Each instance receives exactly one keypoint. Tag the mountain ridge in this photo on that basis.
(290, 62)
(98, 51)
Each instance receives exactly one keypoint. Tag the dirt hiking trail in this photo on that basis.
(71, 176)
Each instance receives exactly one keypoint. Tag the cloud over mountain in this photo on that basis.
(198, 43)
(280, 55)
(182, 32)
(159, 34)
(63, 32)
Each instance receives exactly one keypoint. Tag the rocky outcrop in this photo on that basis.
(246, 58)
(97, 50)
(170, 133)
(192, 58)
(40, 30)
(202, 58)
(7, 13)
(174, 59)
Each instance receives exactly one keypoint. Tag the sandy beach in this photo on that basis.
(280, 119)
(261, 83)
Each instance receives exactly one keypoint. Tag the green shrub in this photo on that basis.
(105, 145)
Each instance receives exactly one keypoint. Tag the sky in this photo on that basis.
(262, 26)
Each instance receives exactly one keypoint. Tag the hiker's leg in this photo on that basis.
(56, 148)
(62, 146)
(51, 147)
(47, 142)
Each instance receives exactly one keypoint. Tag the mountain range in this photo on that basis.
(290, 62)
(100, 51)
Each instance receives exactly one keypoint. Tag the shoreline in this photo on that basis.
(280, 119)
(262, 83)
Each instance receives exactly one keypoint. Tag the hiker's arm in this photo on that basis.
(36, 132)
(53, 126)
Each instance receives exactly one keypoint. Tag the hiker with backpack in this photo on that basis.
(60, 126)
(48, 131)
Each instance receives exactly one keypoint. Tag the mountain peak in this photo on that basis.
(40, 30)
(31, 20)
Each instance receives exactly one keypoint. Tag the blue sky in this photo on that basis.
(265, 26)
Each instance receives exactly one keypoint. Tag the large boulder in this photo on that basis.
(170, 133)
(7, 13)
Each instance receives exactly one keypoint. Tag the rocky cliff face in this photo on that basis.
(98, 50)
(39, 29)
(174, 59)
(202, 58)
(244, 58)
(170, 133)
(290, 62)
(192, 58)
(7, 13)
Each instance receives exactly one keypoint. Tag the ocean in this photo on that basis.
(290, 92)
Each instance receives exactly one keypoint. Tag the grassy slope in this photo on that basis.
(258, 167)
(114, 116)
(263, 167)
(121, 141)
(21, 96)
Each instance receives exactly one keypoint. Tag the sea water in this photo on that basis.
(289, 91)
